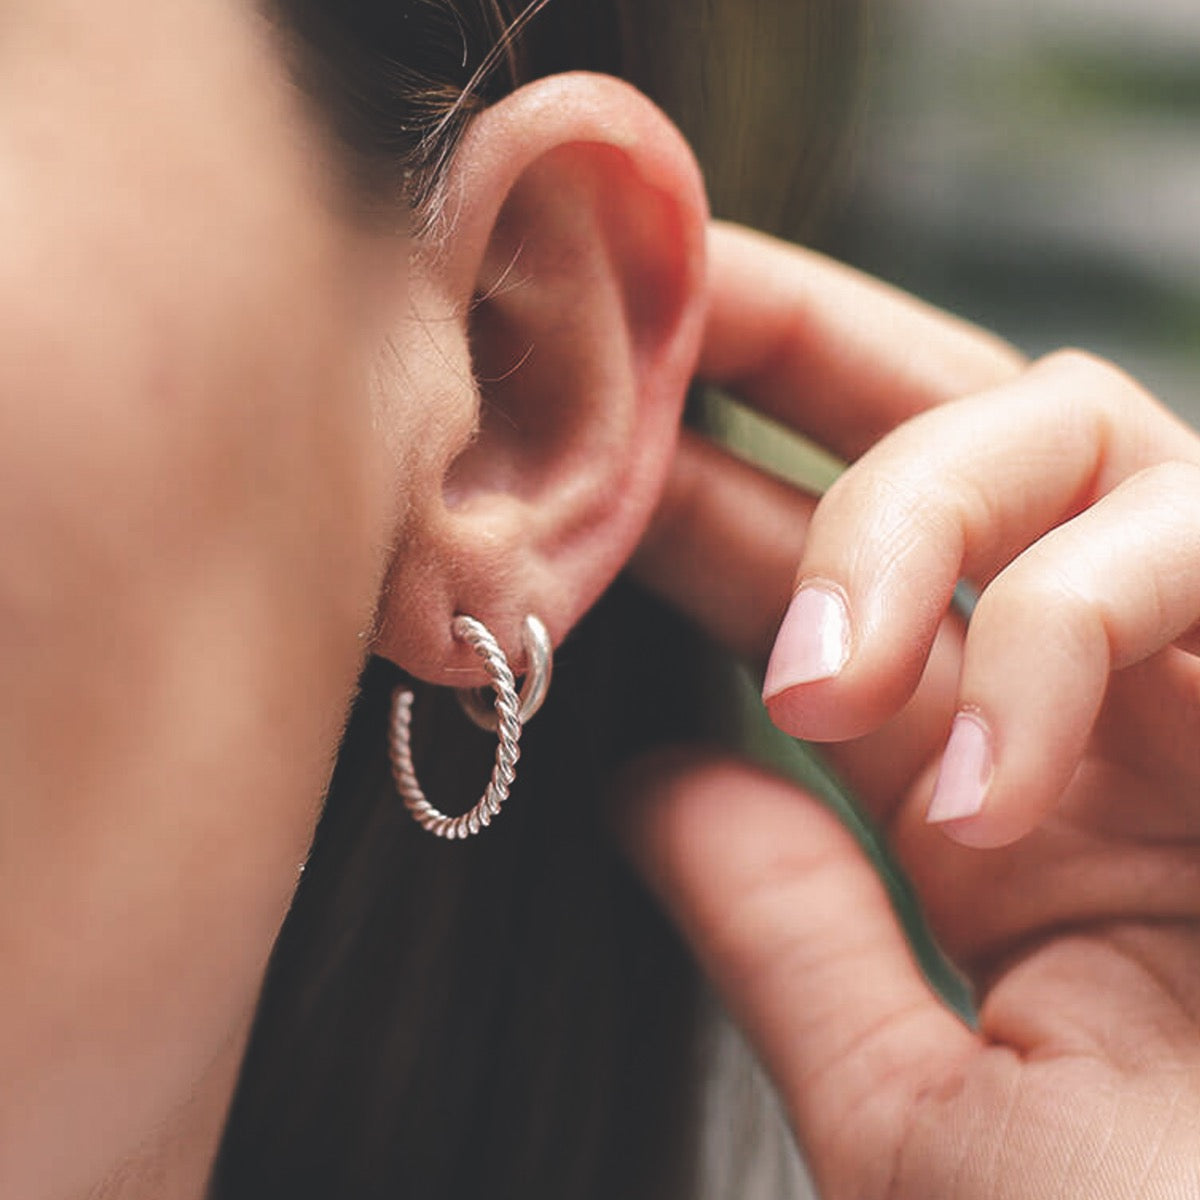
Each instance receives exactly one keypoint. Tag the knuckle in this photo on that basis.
(896, 509)
(1165, 500)
(1039, 597)
(1176, 477)
(1078, 362)
(1099, 378)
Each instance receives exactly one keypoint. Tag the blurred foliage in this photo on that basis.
(773, 447)
(1094, 81)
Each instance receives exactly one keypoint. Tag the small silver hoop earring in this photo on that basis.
(505, 719)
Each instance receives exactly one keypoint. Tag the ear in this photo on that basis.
(556, 318)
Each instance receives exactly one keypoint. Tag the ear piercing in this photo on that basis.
(505, 717)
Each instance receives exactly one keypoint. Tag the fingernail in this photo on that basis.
(813, 642)
(966, 772)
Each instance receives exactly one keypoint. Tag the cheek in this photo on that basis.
(190, 530)
(191, 509)
(187, 569)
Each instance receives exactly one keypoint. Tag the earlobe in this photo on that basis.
(574, 269)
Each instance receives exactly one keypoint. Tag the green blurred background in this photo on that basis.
(1035, 165)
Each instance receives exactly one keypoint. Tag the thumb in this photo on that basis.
(796, 931)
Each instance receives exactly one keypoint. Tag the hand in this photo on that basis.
(1059, 864)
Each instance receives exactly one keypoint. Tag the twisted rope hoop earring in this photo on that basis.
(510, 713)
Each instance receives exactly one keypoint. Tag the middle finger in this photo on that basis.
(956, 492)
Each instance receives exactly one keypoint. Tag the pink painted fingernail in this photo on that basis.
(813, 642)
(966, 772)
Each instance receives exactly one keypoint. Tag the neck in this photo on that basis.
(175, 1164)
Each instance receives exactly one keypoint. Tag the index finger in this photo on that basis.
(829, 351)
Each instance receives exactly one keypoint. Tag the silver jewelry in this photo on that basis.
(509, 714)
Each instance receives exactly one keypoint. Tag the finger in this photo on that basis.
(1102, 592)
(958, 491)
(1149, 723)
(797, 933)
(840, 356)
(723, 547)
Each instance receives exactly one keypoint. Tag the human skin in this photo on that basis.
(1071, 896)
(240, 445)
(239, 448)
(180, 334)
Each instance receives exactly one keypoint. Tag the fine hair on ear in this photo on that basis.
(510, 1017)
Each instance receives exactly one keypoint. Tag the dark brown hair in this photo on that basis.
(507, 1018)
